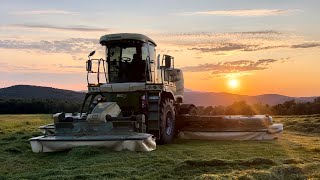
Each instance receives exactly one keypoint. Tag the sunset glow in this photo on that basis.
(233, 83)
(272, 47)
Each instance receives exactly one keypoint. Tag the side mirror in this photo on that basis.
(89, 65)
(92, 53)
(167, 61)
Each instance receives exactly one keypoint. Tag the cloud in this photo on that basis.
(239, 66)
(191, 44)
(45, 12)
(243, 12)
(222, 47)
(258, 48)
(64, 28)
(306, 45)
(6, 67)
(235, 46)
(209, 36)
(208, 41)
(70, 46)
(69, 67)
(247, 41)
(268, 32)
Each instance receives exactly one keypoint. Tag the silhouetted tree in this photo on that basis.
(207, 110)
(240, 107)
(316, 100)
(34, 106)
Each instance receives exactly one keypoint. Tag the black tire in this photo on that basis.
(167, 121)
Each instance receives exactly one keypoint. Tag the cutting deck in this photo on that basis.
(256, 127)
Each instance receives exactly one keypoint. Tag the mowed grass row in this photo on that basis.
(295, 156)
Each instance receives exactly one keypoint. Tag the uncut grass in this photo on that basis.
(293, 157)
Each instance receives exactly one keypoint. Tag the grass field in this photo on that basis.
(295, 156)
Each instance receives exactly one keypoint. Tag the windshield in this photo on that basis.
(127, 62)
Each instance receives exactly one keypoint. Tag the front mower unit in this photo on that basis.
(115, 133)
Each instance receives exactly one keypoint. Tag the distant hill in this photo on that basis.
(194, 97)
(38, 92)
(215, 99)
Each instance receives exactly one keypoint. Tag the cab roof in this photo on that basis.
(122, 36)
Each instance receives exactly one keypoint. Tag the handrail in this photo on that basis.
(98, 77)
(98, 70)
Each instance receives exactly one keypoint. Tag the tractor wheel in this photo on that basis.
(167, 121)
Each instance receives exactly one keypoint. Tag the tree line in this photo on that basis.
(48, 106)
(37, 106)
(242, 108)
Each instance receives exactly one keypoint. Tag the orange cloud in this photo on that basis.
(239, 66)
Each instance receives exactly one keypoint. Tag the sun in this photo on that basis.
(233, 83)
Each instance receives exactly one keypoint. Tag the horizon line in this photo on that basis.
(184, 88)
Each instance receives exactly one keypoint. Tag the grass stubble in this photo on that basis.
(295, 156)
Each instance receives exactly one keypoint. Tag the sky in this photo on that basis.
(246, 47)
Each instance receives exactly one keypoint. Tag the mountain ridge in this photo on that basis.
(199, 98)
(39, 92)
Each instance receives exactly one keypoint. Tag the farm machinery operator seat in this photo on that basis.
(137, 68)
